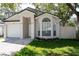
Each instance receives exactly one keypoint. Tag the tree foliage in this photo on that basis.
(73, 7)
(44, 6)
(2, 17)
(71, 23)
(63, 12)
(10, 6)
(60, 10)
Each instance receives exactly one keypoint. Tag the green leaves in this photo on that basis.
(11, 6)
(44, 6)
(61, 10)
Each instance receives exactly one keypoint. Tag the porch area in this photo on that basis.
(28, 28)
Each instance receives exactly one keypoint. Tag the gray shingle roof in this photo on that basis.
(37, 12)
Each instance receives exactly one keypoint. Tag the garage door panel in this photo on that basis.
(13, 30)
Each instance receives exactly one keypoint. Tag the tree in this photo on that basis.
(60, 10)
(2, 17)
(46, 7)
(71, 23)
(73, 8)
(8, 9)
(63, 12)
(11, 6)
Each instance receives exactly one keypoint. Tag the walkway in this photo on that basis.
(11, 45)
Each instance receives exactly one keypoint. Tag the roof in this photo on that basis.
(37, 12)
(47, 13)
(11, 20)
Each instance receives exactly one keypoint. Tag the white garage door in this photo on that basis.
(13, 30)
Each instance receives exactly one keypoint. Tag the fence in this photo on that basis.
(68, 32)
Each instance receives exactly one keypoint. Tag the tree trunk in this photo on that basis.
(77, 14)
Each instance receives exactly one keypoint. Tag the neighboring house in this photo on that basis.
(4, 13)
(1, 28)
(31, 23)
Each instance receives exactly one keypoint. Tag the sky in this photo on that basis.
(25, 5)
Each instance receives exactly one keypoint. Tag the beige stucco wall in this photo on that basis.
(20, 15)
(54, 20)
(26, 29)
(27, 14)
(37, 26)
(15, 17)
(23, 25)
(67, 32)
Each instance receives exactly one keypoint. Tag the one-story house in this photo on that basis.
(31, 23)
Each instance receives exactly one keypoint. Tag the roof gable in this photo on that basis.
(47, 13)
(20, 12)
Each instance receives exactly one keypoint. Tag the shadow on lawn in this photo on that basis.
(51, 48)
(54, 43)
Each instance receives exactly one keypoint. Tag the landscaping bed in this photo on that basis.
(55, 47)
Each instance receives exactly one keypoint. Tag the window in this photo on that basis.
(46, 20)
(46, 27)
(54, 30)
(38, 33)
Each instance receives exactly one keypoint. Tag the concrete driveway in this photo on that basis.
(11, 45)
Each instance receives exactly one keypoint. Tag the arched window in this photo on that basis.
(46, 20)
(46, 27)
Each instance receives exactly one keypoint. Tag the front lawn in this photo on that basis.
(51, 48)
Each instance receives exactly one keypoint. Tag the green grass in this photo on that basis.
(51, 48)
